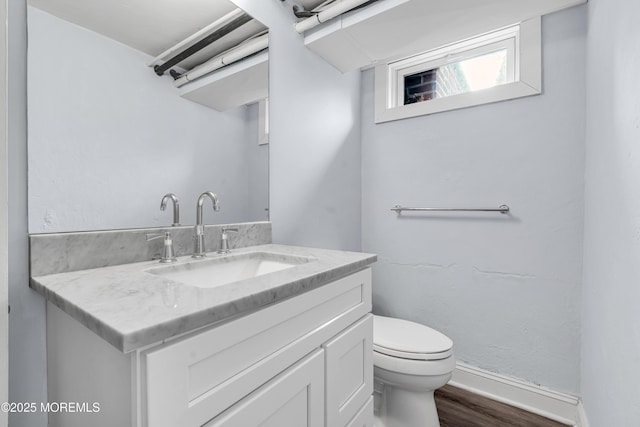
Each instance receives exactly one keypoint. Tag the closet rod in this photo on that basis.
(196, 36)
(237, 53)
(335, 9)
(502, 209)
(216, 35)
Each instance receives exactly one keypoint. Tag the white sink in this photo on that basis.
(209, 273)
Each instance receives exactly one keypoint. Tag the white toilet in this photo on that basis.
(410, 361)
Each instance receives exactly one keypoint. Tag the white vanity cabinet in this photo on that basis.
(303, 361)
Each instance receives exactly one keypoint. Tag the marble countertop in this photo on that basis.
(130, 308)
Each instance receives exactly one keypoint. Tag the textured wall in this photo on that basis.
(258, 167)
(314, 154)
(611, 290)
(506, 289)
(4, 198)
(107, 138)
(27, 359)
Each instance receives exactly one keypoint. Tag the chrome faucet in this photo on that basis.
(199, 250)
(176, 207)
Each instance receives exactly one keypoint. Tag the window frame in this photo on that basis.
(525, 72)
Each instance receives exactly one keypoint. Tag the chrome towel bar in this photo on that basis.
(502, 209)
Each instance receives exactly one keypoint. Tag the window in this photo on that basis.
(501, 65)
(475, 72)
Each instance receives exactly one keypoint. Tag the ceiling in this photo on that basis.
(151, 26)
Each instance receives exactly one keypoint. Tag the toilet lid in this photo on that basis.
(409, 340)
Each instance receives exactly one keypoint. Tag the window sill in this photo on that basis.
(504, 92)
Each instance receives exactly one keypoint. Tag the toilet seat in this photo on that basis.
(409, 340)
(411, 367)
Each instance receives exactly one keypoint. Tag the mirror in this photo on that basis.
(108, 138)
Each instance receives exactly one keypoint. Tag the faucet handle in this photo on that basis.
(224, 240)
(153, 236)
(167, 252)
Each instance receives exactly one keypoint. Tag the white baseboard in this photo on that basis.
(530, 397)
(582, 416)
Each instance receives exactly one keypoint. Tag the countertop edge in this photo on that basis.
(85, 318)
(190, 322)
(127, 346)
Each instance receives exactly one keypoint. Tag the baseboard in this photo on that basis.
(530, 397)
(582, 415)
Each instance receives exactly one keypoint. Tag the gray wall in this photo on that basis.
(314, 151)
(4, 199)
(27, 363)
(506, 289)
(258, 167)
(611, 290)
(107, 138)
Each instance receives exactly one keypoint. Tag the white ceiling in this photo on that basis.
(151, 26)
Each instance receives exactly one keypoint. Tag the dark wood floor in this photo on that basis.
(461, 408)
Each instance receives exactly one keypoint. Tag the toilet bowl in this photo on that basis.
(410, 361)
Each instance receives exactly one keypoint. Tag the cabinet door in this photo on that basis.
(364, 417)
(295, 398)
(349, 372)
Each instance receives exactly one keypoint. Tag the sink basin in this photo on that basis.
(209, 273)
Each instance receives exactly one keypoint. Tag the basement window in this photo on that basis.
(497, 66)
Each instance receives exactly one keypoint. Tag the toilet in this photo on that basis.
(410, 361)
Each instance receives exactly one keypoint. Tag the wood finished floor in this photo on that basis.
(461, 408)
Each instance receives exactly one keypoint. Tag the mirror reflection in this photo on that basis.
(117, 118)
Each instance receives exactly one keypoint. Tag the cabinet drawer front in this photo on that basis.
(294, 398)
(364, 418)
(192, 380)
(349, 372)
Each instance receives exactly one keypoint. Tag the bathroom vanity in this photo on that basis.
(287, 344)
